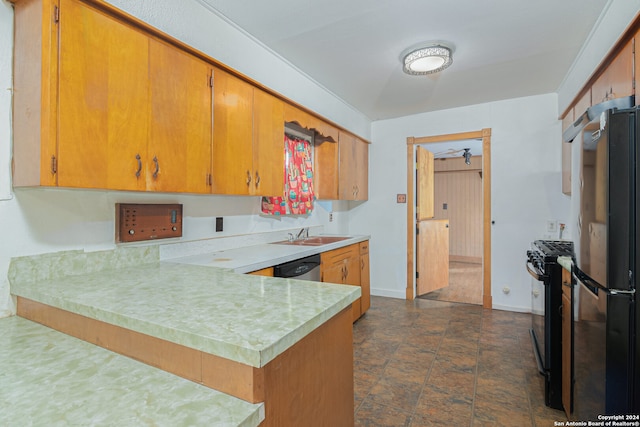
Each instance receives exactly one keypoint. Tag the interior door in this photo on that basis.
(432, 239)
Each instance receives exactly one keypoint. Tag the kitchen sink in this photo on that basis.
(313, 241)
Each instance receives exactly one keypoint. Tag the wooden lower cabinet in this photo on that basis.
(310, 384)
(365, 299)
(567, 342)
(263, 272)
(349, 266)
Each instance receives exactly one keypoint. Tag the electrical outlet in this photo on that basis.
(552, 226)
(330, 216)
(401, 198)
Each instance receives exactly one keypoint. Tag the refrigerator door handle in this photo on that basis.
(596, 287)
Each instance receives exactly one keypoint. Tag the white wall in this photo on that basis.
(46, 220)
(526, 189)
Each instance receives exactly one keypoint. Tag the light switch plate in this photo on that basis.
(139, 222)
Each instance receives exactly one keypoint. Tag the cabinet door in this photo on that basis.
(352, 277)
(354, 168)
(617, 80)
(232, 135)
(342, 266)
(103, 100)
(362, 169)
(268, 144)
(347, 174)
(263, 272)
(365, 300)
(179, 158)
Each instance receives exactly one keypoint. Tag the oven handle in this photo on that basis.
(539, 277)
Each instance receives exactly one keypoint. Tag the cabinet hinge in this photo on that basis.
(56, 14)
(54, 165)
(417, 275)
(417, 230)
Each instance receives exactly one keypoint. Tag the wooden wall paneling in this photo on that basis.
(462, 193)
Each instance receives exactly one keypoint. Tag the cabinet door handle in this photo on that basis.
(361, 264)
(248, 177)
(257, 178)
(139, 165)
(155, 172)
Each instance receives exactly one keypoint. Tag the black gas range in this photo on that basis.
(546, 323)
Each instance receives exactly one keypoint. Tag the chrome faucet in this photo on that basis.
(303, 234)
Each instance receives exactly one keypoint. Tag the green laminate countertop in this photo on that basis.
(244, 318)
(565, 262)
(51, 379)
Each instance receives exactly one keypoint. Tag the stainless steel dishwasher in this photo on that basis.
(307, 268)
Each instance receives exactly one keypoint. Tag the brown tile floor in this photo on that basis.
(432, 363)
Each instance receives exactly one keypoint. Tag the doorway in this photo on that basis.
(415, 219)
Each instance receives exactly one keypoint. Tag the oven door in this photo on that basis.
(539, 292)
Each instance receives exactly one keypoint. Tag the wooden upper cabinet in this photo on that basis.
(325, 182)
(232, 134)
(179, 151)
(616, 81)
(268, 144)
(579, 108)
(103, 101)
(354, 168)
(116, 108)
(248, 140)
(35, 82)
(326, 154)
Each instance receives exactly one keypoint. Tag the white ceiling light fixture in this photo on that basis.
(427, 60)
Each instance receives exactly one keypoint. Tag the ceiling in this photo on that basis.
(502, 48)
(452, 149)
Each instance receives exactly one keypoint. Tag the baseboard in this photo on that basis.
(389, 293)
(467, 259)
(511, 308)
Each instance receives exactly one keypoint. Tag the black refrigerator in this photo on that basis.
(606, 349)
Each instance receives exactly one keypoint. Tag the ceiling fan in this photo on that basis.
(452, 152)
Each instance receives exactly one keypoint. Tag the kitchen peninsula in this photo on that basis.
(279, 341)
